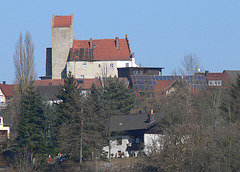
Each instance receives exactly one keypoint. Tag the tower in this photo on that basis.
(62, 41)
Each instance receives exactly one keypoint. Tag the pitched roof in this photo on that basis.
(62, 21)
(132, 122)
(7, 89)
(47, 82)
(48, 92)
(85, 83)
(163, 86)
(224, 77)
(102, 49)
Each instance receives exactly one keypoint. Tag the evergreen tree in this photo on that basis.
(31, 139)
(70, 117)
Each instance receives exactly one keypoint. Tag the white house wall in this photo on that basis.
(116, 148)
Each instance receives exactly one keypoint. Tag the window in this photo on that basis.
(119, 141)
(99, 65)
(141, 72)
(219, 83)
(137, 140)
(111, 65)
(82, 76)
(1, 120)
(127, 64)
(84, 65)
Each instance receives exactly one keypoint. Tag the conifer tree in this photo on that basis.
(31, 145)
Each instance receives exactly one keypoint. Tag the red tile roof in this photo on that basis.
(104, 49)
(62, 21)
(8, 90)
(87, 82)
(162, 86)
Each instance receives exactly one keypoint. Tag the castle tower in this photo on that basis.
(62, 41)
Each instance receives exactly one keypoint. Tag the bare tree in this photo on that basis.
(190, 65)
(24, 61)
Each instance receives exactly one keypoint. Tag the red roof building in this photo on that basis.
(217, 80)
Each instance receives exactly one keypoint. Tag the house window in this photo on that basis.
(210, 83)
(111, 65)
(141, 72)
(219, 83)
(82, 76)
(119, 141)
(127, 64)
(84, 65)
(137, 140)
(1, 120)
(99, 65)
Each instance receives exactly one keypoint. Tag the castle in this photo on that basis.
(84, 58)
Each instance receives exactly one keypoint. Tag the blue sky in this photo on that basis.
(161, 32)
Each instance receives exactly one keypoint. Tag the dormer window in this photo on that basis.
(215, 83)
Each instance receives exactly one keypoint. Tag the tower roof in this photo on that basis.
(62, 21)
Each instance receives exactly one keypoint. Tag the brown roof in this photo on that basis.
(62, 21)
(102, 49)
(8, 90)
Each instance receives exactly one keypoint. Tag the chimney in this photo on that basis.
(4, 82)
(206, 73)
(117, 43)
(151, 117)
(91, 44)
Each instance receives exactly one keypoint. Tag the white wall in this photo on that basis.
(115, 148)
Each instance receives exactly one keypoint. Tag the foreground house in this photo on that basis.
(5, 125)
(133, 134)
(6, 94)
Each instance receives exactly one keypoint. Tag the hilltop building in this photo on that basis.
(84, 58)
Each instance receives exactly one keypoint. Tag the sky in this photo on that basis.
(161, 32)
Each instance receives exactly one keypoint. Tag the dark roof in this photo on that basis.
(48, 92)
(6, 119)
(132, 122)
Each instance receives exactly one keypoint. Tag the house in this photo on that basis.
(49, 88)
(127, 72)
(217, 80)
(132, 134)
(5, 125)
(6, 93)
(155, 85)
(84, 58)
